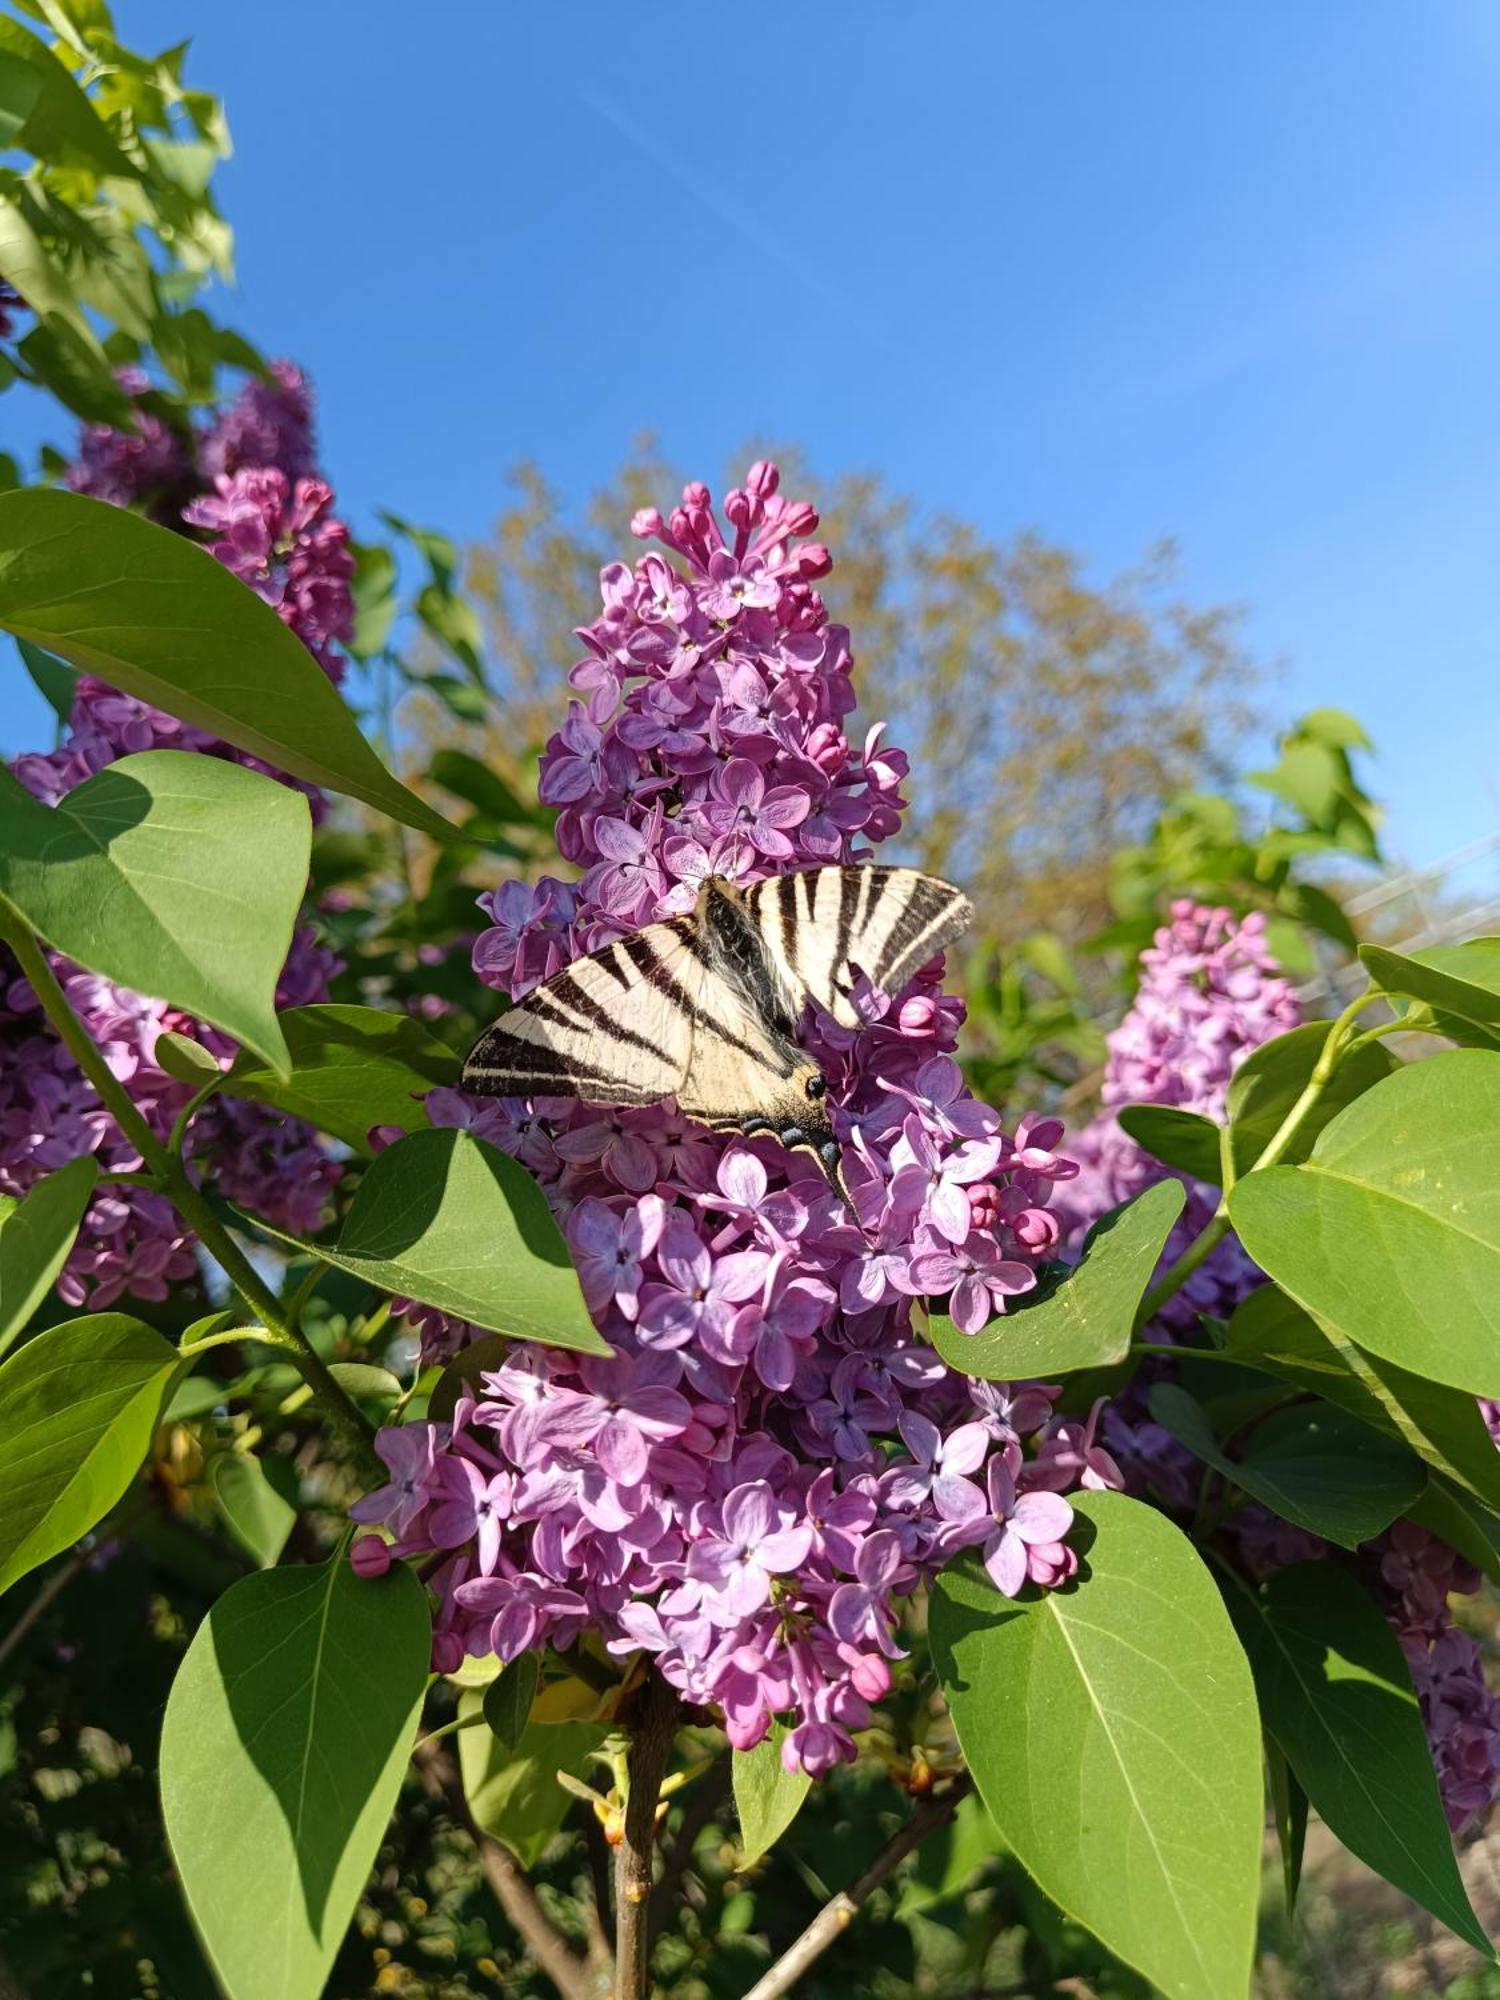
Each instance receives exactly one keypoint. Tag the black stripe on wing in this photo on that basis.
(935, 914)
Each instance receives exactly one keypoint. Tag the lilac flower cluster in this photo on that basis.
(1210, 994)
(272, 525)
(771, 1459)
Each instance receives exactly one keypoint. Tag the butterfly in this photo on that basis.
(704, 1007)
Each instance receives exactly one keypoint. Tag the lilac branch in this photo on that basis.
(836, 1916)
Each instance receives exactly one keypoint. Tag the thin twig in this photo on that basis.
(703, 1801)
(515, 1895)
(653, 1732)
(597, 1909)
(836, 1916)
(573, 1979)
(48, 1593)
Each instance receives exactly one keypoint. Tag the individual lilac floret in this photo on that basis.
(775, 1458)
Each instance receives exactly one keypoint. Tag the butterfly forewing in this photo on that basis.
(817, 924)
(613, 1028)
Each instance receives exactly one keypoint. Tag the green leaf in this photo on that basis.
(1315, 1466)
(513, 1793)
(78, 1406)
(1269, 1082)
(375, 599)
(186, 1061)
(1289, 1812)
(61, 127)
(446, 1219)
(1338, 1699)
(1442, 1426)
(1410, 1173)
(1085, 1319)
(176, 875)
(1181, 1139)
(352, 1068)
(152, 613)
(55, 680)
(479, 786)
(257, 1516)
(948, 1860)
(1459, 1520)
(766, 1797)
(508, 1699)
(1112, 1732)
(1455, 979)
(362, 1380)
(35, 1238)
(287, 1730)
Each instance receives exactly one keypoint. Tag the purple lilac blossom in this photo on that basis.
(1210, 993)
(283, 540)
(774, 1459)
(148, 466)
(268, 425)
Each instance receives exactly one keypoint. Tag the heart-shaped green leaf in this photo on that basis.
(1337, 1697)
(513, 1791)
(352, 1068)
(1084, 1318)
(1453, 979)
(152, 613)
(1315, 1466)
(508, 1699)
(1270, 1080)
(1182, 1139)
(1410, 1174)
(176, 875)
(36, 1234)
(446, 1219)
(766, 1795)
(1442, 1426)
(78, 1406)
(259, 1518)
(1112, 1731)
(287, 1729)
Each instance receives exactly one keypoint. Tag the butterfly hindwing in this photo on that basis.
(817, 924)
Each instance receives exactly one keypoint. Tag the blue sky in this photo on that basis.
(1226, 273)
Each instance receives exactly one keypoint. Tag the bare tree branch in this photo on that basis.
(836, 1916)
(653, 1732)
(572, 1976)
(703, 1801)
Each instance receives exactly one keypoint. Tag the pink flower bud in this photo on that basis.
(370, 1556)
(447, 1652)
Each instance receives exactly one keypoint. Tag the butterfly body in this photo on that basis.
(705, 1007)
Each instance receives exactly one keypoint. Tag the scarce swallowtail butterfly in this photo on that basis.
(704, 1008)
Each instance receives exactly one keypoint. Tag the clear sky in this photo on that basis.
(1230, 273)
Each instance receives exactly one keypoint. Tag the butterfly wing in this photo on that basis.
(613, 1028)
(816, 925)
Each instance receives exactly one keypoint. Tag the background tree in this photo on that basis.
(1064, 711)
